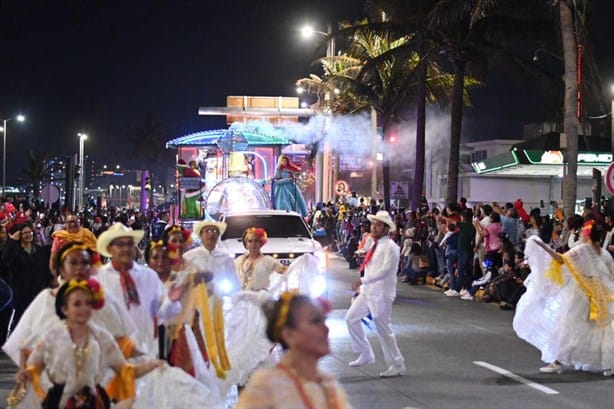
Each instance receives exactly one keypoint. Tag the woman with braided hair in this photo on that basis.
(297, 322)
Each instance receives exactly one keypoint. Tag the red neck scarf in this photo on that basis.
(131, 295)
(369, 256)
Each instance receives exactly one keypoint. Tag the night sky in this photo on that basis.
(100, 66)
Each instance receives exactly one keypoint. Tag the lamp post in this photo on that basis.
(82, 138)
(324, 175)
(19, 118)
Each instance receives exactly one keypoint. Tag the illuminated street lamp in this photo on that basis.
(82, 138)
(325, 176)
(19, 118)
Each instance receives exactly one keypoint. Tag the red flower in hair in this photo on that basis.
(97, 293)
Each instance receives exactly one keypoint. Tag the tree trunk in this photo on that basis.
(570, 120)
(420, 136)
(456, 120)
(386, 165)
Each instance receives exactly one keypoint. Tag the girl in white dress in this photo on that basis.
(163, 388)
(75, 353)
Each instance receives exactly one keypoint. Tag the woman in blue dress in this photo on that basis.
(287, 194)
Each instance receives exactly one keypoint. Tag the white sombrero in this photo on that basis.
(383, 217)
(115, 232)
(198, 226)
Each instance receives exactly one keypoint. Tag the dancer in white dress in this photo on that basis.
(567, 310)
(253, 268)
(75, 353)
(163, 388)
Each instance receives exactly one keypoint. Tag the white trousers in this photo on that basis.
(380, 311)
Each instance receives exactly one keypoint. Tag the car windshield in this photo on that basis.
(274, 225)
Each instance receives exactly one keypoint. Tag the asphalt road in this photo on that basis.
(459, 354)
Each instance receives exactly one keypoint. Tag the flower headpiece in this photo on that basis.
(155, 243)
(259, 232)
(588, 227)
(91, 285)
(95, 259)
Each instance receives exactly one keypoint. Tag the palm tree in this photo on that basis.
(149, 151)
(378, 71)
(39, 171)
(579, 67)
(475, 35)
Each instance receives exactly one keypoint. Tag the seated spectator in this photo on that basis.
(415, 268)
(350, 250)
(482, 282)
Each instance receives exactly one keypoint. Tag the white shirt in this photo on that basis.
(380, 279)
(154, 302)
(220, 263)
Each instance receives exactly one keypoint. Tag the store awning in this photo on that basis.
(213, 138)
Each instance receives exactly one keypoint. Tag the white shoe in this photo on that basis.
(393, 372)
(463, 292)
(362, 360)
(452, 293)
(466, 296)
(552, 368)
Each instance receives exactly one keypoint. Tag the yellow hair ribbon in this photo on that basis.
(74, 247)
(175, 229)
(286, 299)
(92, 286)
(156, 243)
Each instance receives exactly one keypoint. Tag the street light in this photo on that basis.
(324, 175)
(82, 138)
(19, 118)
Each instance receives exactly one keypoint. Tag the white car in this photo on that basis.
(288, 235)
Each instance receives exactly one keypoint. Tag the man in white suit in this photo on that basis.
(378, 289)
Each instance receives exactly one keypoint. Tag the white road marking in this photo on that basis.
(517, 378)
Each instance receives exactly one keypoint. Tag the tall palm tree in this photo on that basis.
(475, 35)
(148, 147)
(582, 87)
(570, 120)
(380, 70)
(39, 171)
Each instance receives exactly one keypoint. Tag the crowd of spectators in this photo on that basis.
(475, 253)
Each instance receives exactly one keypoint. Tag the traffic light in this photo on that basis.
(77, 171)
(393, 138)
